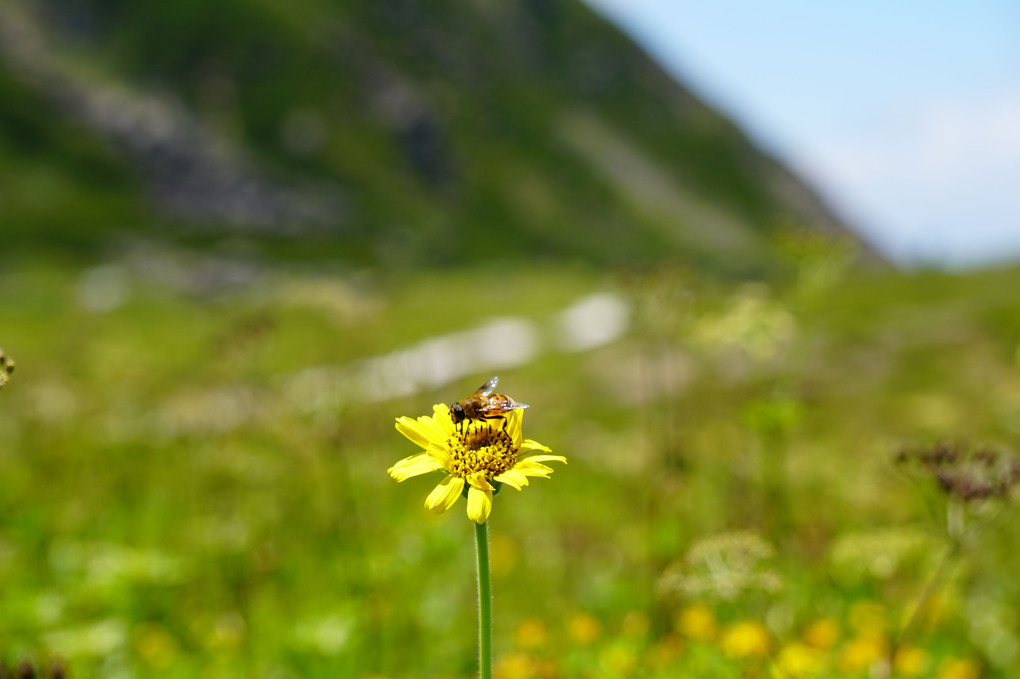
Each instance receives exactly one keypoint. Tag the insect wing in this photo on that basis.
(488, 387)
(500, 405)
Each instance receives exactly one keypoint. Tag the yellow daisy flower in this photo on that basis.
(745, 639)
(476, 453)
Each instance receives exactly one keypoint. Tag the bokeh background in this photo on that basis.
(240, 238)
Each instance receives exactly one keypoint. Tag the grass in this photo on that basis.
(174, 503)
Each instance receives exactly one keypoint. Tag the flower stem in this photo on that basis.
(484, 601)
(955, 527)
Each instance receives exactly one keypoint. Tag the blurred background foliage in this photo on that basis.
(240, 239)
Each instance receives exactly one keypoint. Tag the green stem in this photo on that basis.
(956, 529)
(484, 601)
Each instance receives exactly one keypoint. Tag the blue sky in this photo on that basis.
(905, 115)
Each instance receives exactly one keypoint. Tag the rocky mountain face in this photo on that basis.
(391, 132)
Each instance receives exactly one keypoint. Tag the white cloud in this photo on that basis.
(940, 180)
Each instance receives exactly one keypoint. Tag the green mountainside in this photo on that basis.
(388, 132)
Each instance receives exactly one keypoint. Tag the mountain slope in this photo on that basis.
(392, 132)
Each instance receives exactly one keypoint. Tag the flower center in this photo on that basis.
(478, 445)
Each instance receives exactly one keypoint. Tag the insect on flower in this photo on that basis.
(485, 405)
(479, 442)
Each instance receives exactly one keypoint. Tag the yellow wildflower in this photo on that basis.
(584, 628)
(910, 661)
(696, 622)
(745, 639)
(515, 666)
(531, 634)
(860, 653)
(822, 633)
(797, 659)
(957, 668)
(476, 453)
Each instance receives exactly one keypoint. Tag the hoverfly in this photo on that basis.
(484, 404)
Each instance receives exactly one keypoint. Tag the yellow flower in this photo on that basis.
(910, 661)
(515, 666)
(531, 634)
(476, 453)
(745, 639)
(696, 622)
(960, 669)
(583, 628)
(797, 659)
(860, 653)
(822, 633)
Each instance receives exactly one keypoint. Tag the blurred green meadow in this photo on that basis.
(193, 455)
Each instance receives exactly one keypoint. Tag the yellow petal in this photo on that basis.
(441, 455)
(435, 430)
(545, 458)
(479, 504)
(442, 419)
(513, 478)
(532, 468)
(514, 426)
(415, 465)
(478, 480)
(530, 444)
(445, 494)
(421, 433)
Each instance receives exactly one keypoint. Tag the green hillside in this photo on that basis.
(390, 133)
